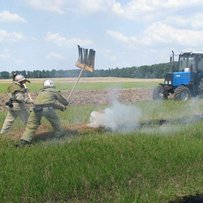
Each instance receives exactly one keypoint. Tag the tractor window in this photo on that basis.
(186, 62)
(191, 63)
(200, 63)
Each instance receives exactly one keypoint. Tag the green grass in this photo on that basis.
(103, 168)
(156, 164)
(35, 86)
(126, 85)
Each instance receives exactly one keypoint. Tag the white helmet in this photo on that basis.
(20, 78)
(49, 83)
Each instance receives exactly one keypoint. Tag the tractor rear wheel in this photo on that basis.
(158, 93)
(182, 93)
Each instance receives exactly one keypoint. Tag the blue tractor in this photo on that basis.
(185, 80)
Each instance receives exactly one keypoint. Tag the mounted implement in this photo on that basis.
(185, 80)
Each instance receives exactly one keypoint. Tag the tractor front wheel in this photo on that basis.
(159, 93)
(182, 93)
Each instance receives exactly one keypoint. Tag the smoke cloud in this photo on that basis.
(118, 118)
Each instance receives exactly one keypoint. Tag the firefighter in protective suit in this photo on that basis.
(17, 102)
(44, 106)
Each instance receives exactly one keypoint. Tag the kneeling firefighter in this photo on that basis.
(17, 102)
(44, 106)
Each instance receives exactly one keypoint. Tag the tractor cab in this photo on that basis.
(185, 80)
(190, 62)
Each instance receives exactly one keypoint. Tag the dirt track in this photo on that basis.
(99, 96)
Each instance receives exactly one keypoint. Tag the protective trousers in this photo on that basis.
(23, 114)
(34, 122)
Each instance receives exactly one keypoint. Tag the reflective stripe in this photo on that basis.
(47, 108)
(40, 109)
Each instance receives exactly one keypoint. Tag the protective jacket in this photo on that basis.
(16, 106)
(17, 97)
(50, 96)
(44, 106)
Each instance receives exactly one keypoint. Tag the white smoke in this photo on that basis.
(118, 117)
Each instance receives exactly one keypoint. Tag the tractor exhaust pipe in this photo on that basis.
(172, 62)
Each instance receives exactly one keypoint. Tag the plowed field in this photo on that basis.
(99, 96)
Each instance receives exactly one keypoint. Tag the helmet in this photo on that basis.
(20, 78)
(49, 83)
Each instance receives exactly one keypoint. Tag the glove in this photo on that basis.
(9, 104)
(63, 108)
(29, 102)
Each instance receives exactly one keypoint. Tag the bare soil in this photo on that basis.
(98, 96)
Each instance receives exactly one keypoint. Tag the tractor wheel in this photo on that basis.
(158, 93)
(182, 93)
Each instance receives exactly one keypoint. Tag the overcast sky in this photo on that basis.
(44, 34)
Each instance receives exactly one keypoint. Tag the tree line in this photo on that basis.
(147, 71)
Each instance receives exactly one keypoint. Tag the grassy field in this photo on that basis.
(88, 83)
(151, 164)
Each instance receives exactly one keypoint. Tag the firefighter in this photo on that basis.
(44, 106)
(17, 102)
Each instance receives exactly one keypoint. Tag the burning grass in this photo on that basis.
(197, 198)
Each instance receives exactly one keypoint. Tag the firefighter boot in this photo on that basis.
(61, 133)
(23, 143)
